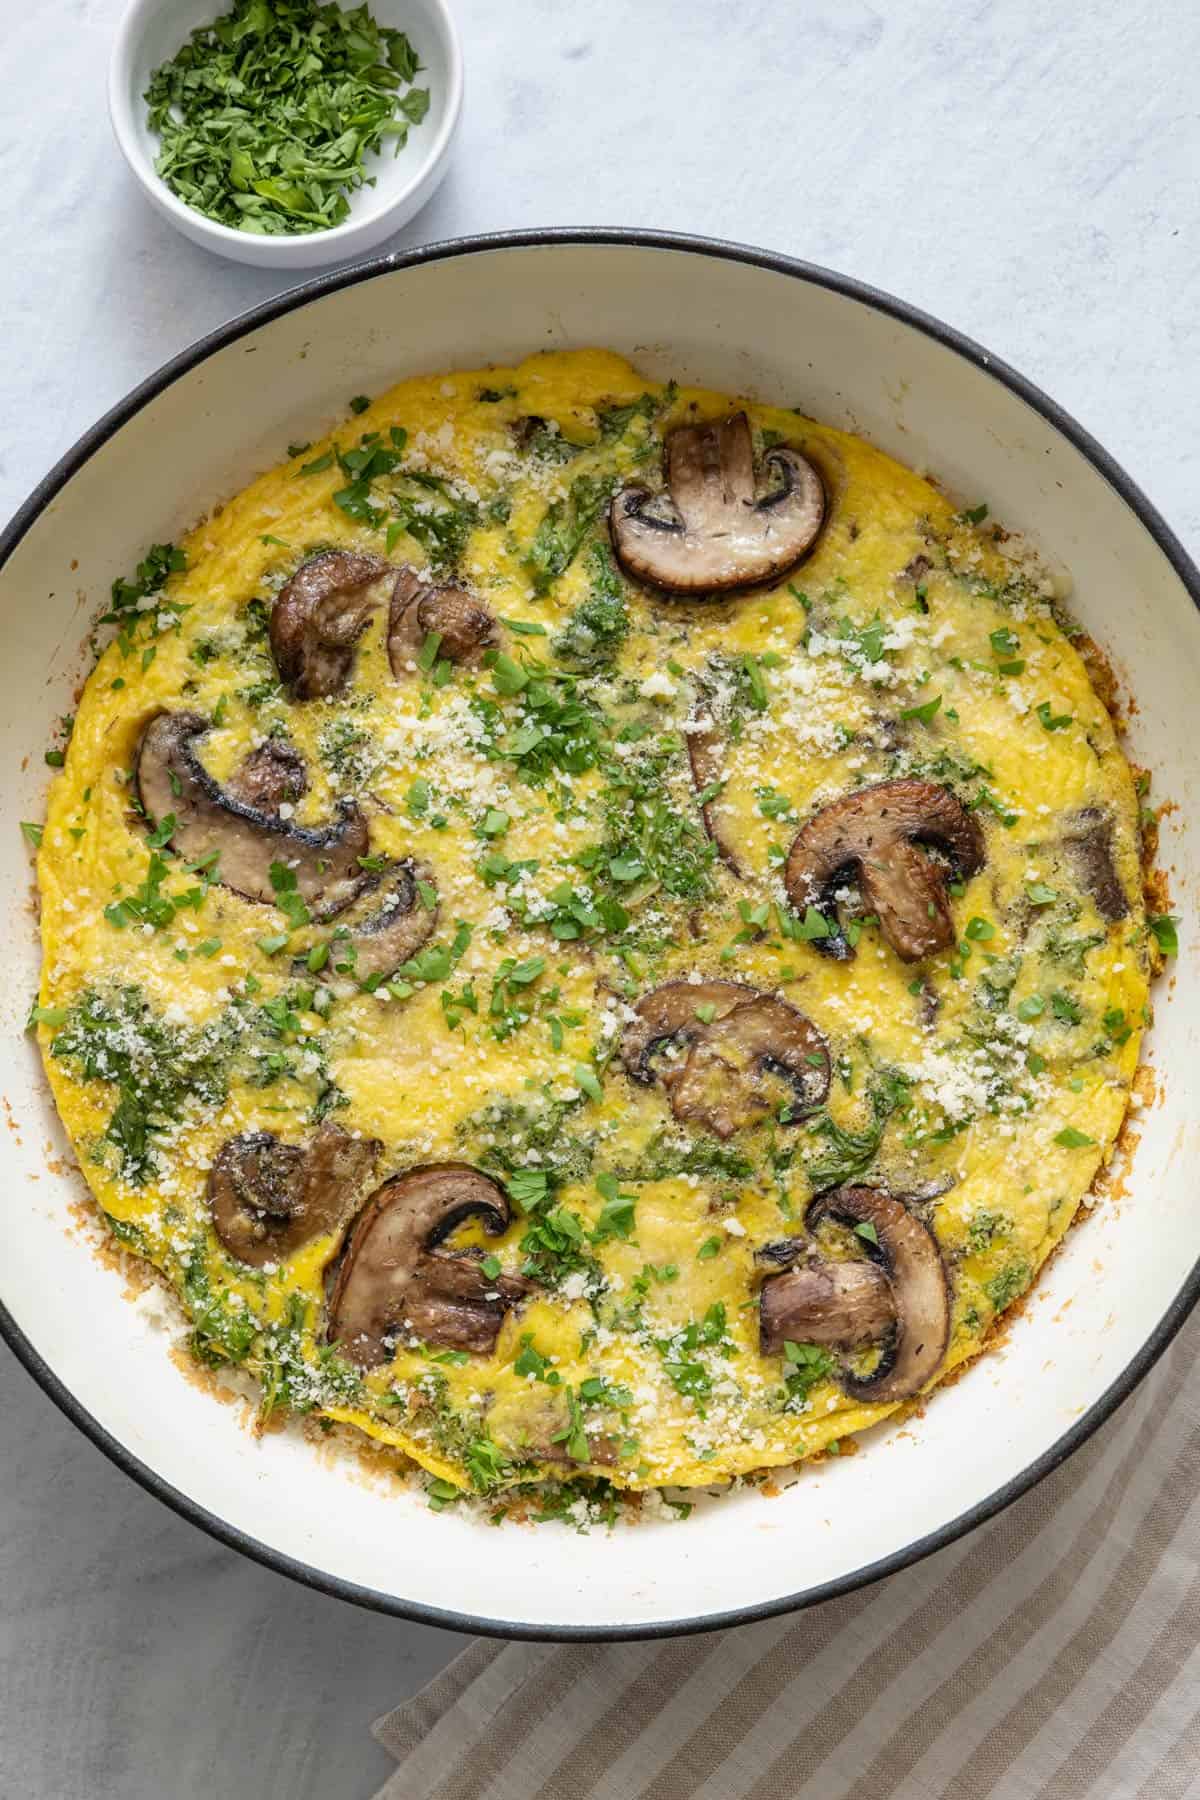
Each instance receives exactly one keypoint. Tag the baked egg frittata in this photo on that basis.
(591, 928)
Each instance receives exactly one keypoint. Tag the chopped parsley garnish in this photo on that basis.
(616, 1218)
(1052, 721)
(136, 621)
(848, 1153)
(1166, 936)
(1002, 1289)
(587, 1079)
(1065, 1007)
(155, 1068)
(148, 904)
(925, 712)
(289, 902)
(687, 1374)
(805, 1367)
(595, 631)
(985, 1228)
(565, 526)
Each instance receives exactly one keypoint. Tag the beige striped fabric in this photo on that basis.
(1055, 1652)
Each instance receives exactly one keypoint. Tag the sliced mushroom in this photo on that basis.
(268, 1198)
(172, 782)
(709, 533)
(705, 749)
(1088, 840)
(463, 626)
(273, 775)
(391, 931)
(907, 1252)
(392, 1279)
(727, 1055)
(874, 833)
(840, 1306)
(319, 617)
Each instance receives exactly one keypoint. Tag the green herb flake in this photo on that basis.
(587, 1079)
(1166, 936)
(924, 713)
(1052, 721)
(616, 1218)
(1071, 1139)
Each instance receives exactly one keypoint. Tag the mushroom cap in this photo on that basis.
(318, 618)
(394, 928)
(837, 1305)
(272, 775)
(268, 1198)
(390, 1278)
(1088, 841)
(710, 533)
(908, 1253)
(171, 781)
(875, 832)
(716, 1071)
(464, 626)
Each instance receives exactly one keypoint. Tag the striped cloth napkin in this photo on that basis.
(1055, 1652)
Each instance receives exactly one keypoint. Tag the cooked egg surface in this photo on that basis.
(545, 796)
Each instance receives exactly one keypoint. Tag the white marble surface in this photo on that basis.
(1025, 170)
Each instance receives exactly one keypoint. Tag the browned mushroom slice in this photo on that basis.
(837, 1305)
(706, 757)
(710, 533)
(908, 1253)
(391, 931)
(172, 782)
(273, 775)
(463, 626)
(319, 617)
(1088, 840)
(874, 834)
(268, 1198)
(727, 1055)
(670, 1019)
(392, 1279)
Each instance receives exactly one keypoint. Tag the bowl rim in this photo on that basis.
(849, 287)
(223, 238)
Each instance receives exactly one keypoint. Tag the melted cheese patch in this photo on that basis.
(551, 797)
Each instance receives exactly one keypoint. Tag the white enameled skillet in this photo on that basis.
(744, 321)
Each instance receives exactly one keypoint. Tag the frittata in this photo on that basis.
(592, 929)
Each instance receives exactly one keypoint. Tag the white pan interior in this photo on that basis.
(734, 325)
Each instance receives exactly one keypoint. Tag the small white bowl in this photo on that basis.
(152, 31)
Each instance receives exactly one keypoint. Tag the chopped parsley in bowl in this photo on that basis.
(279, 130)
